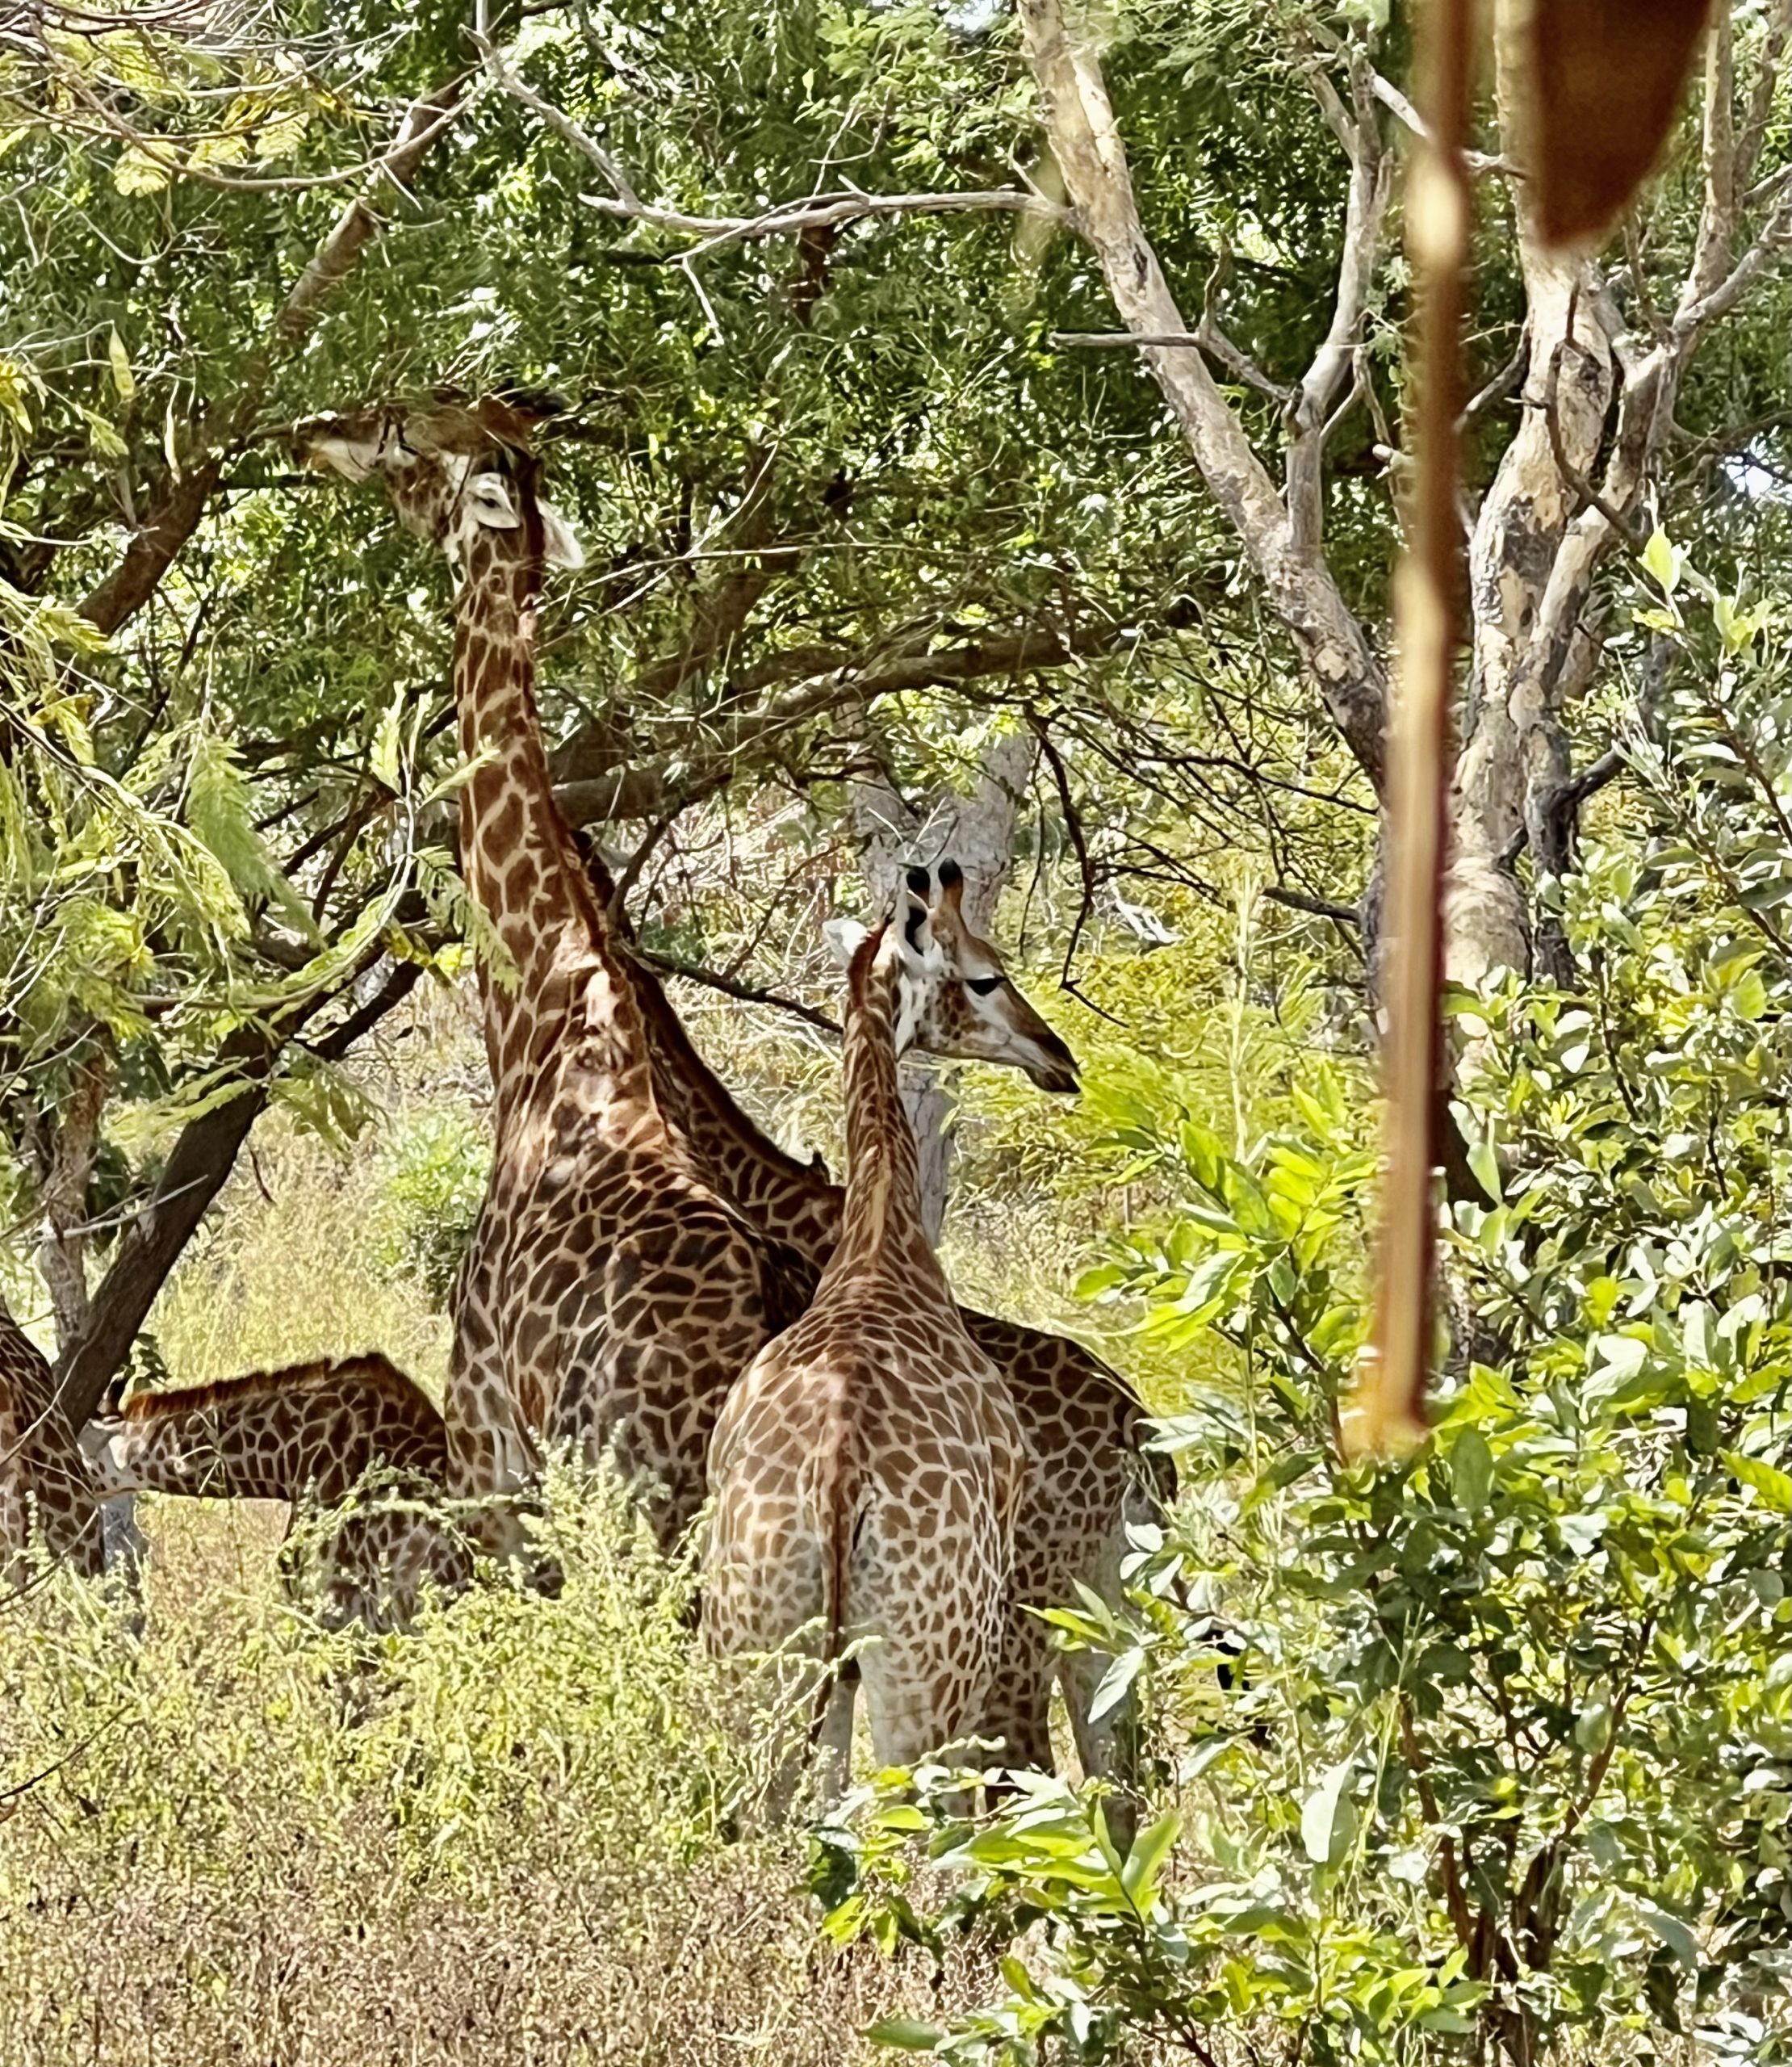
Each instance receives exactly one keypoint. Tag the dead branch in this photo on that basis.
(733, 987)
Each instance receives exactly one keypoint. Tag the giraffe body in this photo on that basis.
(867, 1469)
(1088, 1475)
(47, 1502)
(609, 1298)
(353, 1428)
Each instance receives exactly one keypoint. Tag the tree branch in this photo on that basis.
(1086, 142)
(1309, 415)
(811, 212)
(176, 516)
(202, 1159)
(713, 979)
(594, 784)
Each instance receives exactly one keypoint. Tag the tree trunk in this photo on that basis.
(1597, 408)
(202, 1158)
(978, 833)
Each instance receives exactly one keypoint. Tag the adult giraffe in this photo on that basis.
(46, 1500)
(868, 1467)
(1088, 1474)
(608, 1295)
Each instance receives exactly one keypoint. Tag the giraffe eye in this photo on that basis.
(985, 986)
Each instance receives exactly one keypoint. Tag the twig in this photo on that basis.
(695, 972)
(1568, 796)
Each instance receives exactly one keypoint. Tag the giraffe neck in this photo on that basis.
(794, 1203)
(882, 1229)
(522, 867)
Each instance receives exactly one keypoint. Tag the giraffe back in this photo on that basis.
(310, 1430)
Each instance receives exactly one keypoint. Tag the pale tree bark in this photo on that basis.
(1598, 409)
(978, 833)
(63, 1146)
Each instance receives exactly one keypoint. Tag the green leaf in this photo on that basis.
(122, 380)
(1774, 1487)
(906, 2035)
(1472, 1470)
(1328, 1821)
(1672, 1932)
(1592, 1726)
(1115, 1682)
(1150, 1848)
(1663, 562)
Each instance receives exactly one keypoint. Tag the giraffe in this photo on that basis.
(867, 1469)
(609, 1298)
(45, 1498)
(1089, 1476)
(316, 1434)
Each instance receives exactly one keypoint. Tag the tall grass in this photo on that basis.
(509, 1836)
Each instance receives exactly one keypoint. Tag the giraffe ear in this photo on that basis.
(560, 543)
(844, 937)
(917, 944)
(488, 501)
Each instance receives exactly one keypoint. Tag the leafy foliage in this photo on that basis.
(1512, 1753)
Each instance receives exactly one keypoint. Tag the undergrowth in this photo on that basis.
(526, 1832)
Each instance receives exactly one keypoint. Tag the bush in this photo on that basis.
(435, 1178)
(1513, 1760)
(502, 1838)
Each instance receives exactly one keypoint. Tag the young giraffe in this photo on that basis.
(309, 1435)
(608, 1295)
(1088, 1474)
(867, 1469)
(46, 1500)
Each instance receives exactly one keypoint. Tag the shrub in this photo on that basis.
(503, 1837)
(434, 1179)
(1513, 1760)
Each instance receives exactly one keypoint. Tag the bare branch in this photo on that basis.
(713, 979)
(1717, 221)
(788, 219)
(1479, 163)
(1567, 798)
(1774, 236)
(1310, 417)
(1086, 142)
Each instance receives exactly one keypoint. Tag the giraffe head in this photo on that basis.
(452, 472)
(955, 996)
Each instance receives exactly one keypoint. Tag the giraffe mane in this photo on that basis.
(369, 1369)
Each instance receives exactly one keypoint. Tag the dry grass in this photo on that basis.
(503, 1838)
